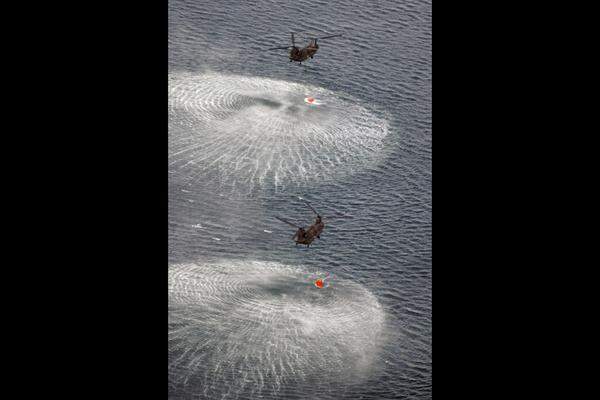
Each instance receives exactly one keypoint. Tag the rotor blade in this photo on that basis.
(311, 207)
(288, 222)
(277, 48)
(330, 36)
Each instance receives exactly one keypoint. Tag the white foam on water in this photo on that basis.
(255, 326)
(250, 131)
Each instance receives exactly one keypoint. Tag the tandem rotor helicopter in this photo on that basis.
(307, 235)
(302, 54)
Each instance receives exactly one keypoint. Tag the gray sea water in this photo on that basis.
(245, 319)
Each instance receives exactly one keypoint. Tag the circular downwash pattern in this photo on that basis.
(243, 131)
(249, 329)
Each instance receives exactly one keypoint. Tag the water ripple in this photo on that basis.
(256, 327)
(252, 131)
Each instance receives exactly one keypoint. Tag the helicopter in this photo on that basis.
(302, 54)
(307, 235)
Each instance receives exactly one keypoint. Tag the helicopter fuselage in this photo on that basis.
(299, 55)
(308, 236)
(302, 54)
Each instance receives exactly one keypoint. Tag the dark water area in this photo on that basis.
(245, 320)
